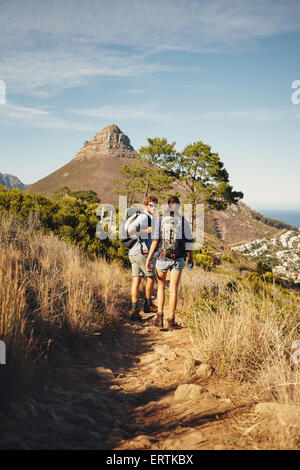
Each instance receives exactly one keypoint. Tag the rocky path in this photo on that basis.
(136, 388)
(177, 405)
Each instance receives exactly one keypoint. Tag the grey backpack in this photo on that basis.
(171, 236)
(130, 240)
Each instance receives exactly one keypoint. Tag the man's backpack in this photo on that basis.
(171, 245)
(129, 240)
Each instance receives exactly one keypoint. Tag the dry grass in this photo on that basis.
(246, 335)
(50, 294)
(13, 309)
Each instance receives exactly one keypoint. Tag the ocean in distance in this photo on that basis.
(289, 216)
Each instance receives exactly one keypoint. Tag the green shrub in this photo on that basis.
(205, 261)
(263, 267)
(72, 217)
(227, 259)
(268, 276)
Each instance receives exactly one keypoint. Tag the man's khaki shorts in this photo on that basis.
(138, 265)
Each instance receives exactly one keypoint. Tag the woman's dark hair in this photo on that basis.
(173, 200)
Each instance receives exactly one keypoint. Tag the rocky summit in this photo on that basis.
(109, 141)
(95, 166)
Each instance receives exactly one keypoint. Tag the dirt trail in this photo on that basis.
(122, 393)
(174, 407)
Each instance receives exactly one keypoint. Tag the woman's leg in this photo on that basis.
(161, 281)
(174, 283)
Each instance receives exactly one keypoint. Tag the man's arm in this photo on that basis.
(135, 226)
(153, 248)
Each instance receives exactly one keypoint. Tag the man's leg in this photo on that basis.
(149, 307)
(149, 287)
(136, 281)
(174, 283)
(134, 313)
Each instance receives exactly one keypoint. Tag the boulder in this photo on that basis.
(204, 370)
(102, 373)
(284, 412)
(187, 392)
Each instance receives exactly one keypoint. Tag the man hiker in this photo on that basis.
(142, 226)
(172, 238)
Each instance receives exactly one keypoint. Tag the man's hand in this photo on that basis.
(148, 264)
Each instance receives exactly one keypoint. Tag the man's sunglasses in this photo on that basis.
(153, 205)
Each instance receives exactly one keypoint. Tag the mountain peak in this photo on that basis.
(109, 141)
(10, 181)
(111, 128)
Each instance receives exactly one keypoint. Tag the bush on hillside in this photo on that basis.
(73, 219)
(227, 259)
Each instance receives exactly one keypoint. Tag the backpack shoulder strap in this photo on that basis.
(149, 225)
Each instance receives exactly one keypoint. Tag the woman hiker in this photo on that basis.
(172, 239)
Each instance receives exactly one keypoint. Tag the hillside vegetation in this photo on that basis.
(72, 217)
(53, 298)
(51, 295)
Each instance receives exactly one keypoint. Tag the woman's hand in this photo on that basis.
(191, 261)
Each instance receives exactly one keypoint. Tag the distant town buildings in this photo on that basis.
(282, 252)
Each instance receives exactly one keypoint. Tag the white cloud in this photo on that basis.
(25, 116)
(183, 24)
(79, 119)
(21, 112)
(48, 73)
(144, 111)
(89, 118)
(49, 46)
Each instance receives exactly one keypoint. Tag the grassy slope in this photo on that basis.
(52, 296)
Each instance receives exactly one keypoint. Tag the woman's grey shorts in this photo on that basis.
(176, 264)
(138, 265)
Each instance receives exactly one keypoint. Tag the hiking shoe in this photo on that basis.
(149, 307)
(159, 320)
(172, 325)
(135, 316)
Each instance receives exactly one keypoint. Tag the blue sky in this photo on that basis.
(188, 70)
